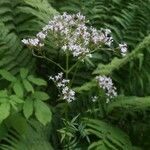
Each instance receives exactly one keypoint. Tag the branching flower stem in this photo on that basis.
(44, 57)
(73, 66)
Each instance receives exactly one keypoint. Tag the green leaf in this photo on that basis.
(3, 96)
(4, 111)
(23, 73)
(42, 112)
(18, 89)
(28, 108)
(99, 145)
(3, 93)
(39, 95)
(13, 105)
(16, 99)
(7, 75)
(28, 86)
(4, 100)
(37, 81)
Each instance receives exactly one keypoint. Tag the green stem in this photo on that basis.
(58, 65)
(73, 66)
(102, 103)
(67, 65)
(66, 111)
(66, 71)
(75, 72)
(44, 57)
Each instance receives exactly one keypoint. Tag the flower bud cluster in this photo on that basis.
(106, 84)
(62, 84)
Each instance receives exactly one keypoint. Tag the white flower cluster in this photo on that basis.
(106, 84)
(101, 36)
(123, 49)
(62, 84)
(75, 35)
(36, 42)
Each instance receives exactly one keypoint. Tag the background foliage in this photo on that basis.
(120, 125)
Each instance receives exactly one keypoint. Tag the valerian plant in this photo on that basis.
(76, 39)
(83, 91)
(77, 42)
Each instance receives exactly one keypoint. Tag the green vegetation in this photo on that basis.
(55, 97)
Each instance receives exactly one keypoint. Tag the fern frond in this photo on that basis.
(110, 137)
(19, 19)
(35, 136)
(129, 104)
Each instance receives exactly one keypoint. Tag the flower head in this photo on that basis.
(62, 84)
(106, 84)
(75, 36)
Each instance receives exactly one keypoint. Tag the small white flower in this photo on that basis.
(64, 47)
(25, 41)
(108, 41)
(107, 31)
(123, 49)
(41, 44)
(41, 35)
(72, 93)
(94, 98)
(89, 55)
(33, 42)
(107, 100)
(65, 90)
(51, 78)
(80, 17)
(59, 84)
(59, 76)
(65, 81)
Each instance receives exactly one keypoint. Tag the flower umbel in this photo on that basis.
(63, 85)
(75, 36)
(106, 84)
